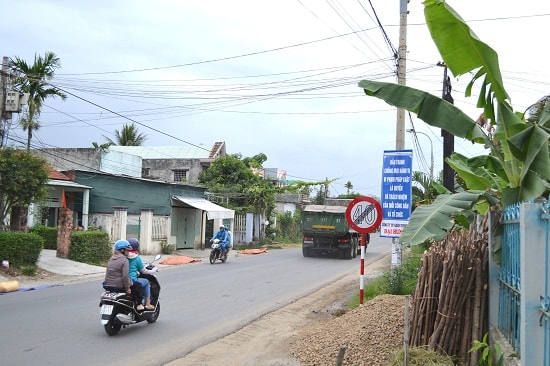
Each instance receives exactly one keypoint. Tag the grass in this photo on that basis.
(420, 356)
(401, 280)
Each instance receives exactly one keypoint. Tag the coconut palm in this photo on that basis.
(33, 79)
(348, 186)
(128, 136)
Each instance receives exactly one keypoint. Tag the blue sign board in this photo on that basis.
(396, 192)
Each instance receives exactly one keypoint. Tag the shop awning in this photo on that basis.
(213, 211)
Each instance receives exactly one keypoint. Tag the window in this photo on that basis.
(180, 175)
(145, 172)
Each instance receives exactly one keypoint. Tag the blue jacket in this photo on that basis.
(221, 235)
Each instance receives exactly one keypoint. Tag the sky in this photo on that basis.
(274, 77)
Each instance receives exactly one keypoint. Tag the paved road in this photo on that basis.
(199, 304)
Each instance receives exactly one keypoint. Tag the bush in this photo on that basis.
(167, 248)
(92, 247)
(20, 249)
(49, 234)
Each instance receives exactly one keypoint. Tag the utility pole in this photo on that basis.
(448, 139)
(3, 92)
(401, 72)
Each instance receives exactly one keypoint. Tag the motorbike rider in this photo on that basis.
(136, 267)
(117, 275)
(223, 238)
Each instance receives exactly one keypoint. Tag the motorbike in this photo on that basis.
(216, 252)
(118, 309)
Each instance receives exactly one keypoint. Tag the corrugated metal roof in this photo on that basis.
(68, 184)
(166, 152)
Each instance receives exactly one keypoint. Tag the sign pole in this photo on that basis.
(364, 215)
(362, 271)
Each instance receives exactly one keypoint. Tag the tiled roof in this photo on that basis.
(54, 174)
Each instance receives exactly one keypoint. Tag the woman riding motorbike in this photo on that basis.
(136, 267)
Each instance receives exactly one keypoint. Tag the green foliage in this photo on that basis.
(92, 247)
(401, 280)
(420, 356)
(20, 249)
(289, 227)
(23, 178)
(30, 270)
(518, 166)
(489, 355)
(128, 136)
(431, 222)
(351, 195)
(166, 248)
(49, 234)
(33, 79)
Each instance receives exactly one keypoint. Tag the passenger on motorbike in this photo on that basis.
(223, 238)
(117, 275)
(136, 267)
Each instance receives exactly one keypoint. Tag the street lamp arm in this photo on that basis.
(431, 150)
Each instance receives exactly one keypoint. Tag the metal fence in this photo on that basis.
(544, 307)
(509, 278)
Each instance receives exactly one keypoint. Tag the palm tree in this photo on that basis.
(128, 136)
(348, 186)
(33, 79)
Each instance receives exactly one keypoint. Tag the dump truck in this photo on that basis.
(326, 230)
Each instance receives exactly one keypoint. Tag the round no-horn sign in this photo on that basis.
(364, 214)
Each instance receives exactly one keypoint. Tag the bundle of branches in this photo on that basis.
(450, 302)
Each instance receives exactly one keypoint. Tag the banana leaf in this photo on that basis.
(433, 222)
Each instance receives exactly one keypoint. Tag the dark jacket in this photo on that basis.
(117, 272)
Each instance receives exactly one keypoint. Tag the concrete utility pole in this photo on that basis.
(401, 72)
(3, 92)
(448, 139)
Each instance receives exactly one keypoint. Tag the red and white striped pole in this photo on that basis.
(362, 270)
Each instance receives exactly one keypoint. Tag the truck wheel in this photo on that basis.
(348, 253)
(354, 250)
(305, 252)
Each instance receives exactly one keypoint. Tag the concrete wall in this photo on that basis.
(162, 169)
(71, 158)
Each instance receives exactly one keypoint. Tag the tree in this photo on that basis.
(348, 186)
(128, 136)
(517, 167)
(424, 189)
(23, 179)
(232, 177)
(33, 79)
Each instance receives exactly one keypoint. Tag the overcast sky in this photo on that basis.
(273, 77)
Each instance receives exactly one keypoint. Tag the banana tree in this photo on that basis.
(517, 167)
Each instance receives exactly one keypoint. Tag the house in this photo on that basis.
(153, 211)
(62, 192)
(164, 163)
(123, 207)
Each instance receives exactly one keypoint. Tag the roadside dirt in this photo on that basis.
(300, 333)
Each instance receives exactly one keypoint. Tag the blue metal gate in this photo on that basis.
(509, 278)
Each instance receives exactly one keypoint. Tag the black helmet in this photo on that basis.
(134, 243)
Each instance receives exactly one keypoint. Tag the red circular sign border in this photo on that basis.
(377, 207)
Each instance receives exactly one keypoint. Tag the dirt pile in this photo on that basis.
(366, 335)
